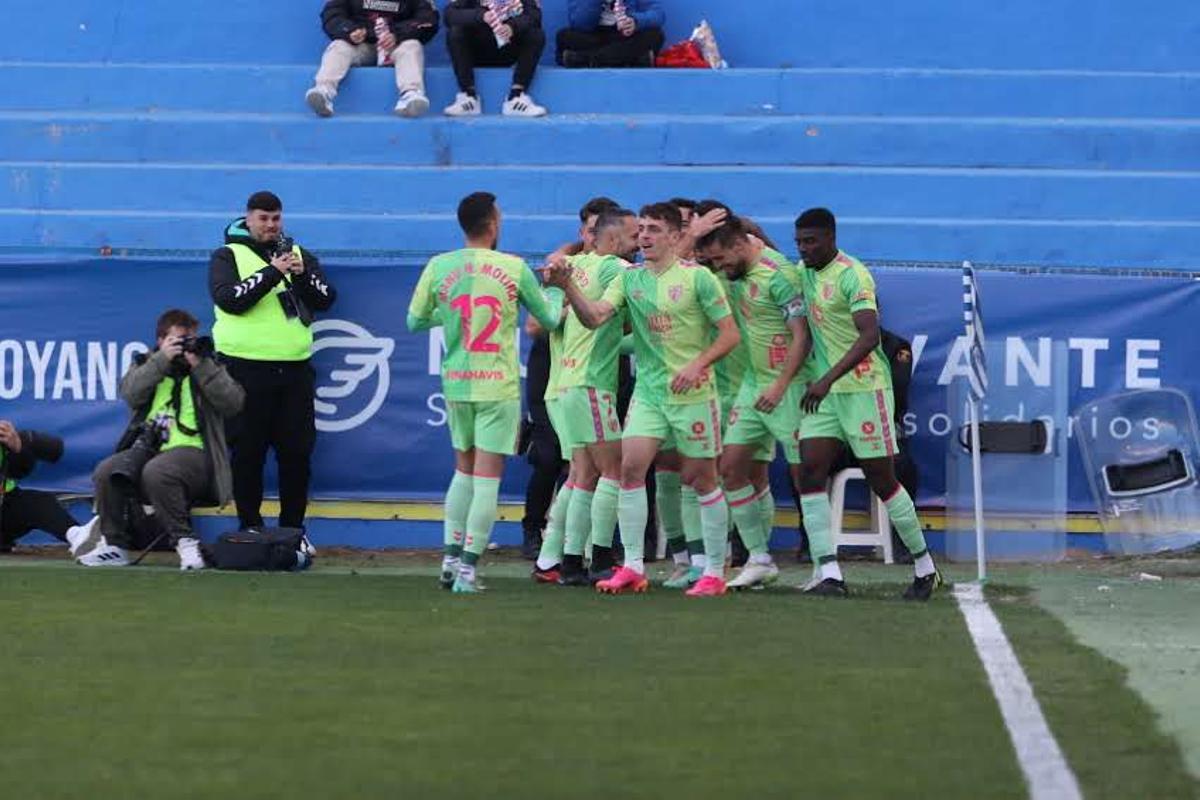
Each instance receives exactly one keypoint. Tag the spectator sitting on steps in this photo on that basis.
(375, 32)
(494, 33)
(611, 33)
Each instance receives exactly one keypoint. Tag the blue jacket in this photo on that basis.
(585, 14)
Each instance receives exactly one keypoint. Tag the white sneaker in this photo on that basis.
(412, 104)
(306, 546)
(754, 575)
(78, 535)
(189, 554)
(320, 101)
(105, 555)
(464, 105)
(522, 106)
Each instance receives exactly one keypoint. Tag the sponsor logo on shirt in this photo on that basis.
(474, 375)
(659, 323)
(392, 6)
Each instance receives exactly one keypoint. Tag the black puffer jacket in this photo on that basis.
(465, 13)
(408, 19)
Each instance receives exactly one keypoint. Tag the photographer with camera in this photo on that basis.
(266, 288)
(23, 510)
(173, 451)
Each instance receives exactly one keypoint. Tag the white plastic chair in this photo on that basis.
(880, 533)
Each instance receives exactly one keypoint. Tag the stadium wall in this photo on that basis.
(1016, 34)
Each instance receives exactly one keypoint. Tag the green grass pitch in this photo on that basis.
(375, 683)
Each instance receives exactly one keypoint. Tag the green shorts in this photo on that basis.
(764, 453)
(862, 420)
(588, 416)
(749, 426)
(694, 429)
(554, 410)
(489, 425)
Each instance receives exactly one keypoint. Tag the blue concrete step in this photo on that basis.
(866, 92)
(1105, 242)
(549, 190)
(601, 139)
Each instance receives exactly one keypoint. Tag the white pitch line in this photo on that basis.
(1046, 770)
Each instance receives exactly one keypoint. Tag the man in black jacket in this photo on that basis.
(375, 32)
(23, 510)
(494, 33)
(265, 289)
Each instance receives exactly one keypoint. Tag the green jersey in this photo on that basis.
(731, 369)
(762, 301)
(475, 293)
(672, 314)
(832, 295)
(589, 357)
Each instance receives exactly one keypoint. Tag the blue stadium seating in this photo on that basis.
(1014, 133)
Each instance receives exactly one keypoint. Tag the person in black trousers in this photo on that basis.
(544, 454)
(494, 33)
(610, 33)
(24, 510)
(265, 289)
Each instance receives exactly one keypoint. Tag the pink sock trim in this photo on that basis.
(631, 486)
(711, 499)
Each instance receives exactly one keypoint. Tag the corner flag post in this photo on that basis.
(978, 380)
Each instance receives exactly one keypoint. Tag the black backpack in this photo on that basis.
(261, 549)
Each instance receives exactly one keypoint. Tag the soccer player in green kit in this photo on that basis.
(549, 567)
(769, 310)
(671, 307)
(849, 401)
(587, 401)
(474, 293)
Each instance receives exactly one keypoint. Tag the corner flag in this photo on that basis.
(973, 319)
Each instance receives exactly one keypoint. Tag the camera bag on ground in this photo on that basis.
(261, 549)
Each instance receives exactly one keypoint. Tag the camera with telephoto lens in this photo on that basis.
(128, 464)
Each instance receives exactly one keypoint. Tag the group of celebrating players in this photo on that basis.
(736, 349)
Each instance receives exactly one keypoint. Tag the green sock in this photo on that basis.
(766, 510)
(458, 504)
(579, 521)
(556, 525)
(482, 516)
(604, 512)
(745, 511)
(692, 531)
(632, 512)
(903, 514)
(666, 501)
(816, 523)
(714, 522)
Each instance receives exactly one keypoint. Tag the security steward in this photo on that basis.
(265, 289)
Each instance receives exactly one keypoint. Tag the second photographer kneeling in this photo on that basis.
(173, 453)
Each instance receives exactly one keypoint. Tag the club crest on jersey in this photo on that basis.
(868, 428)
(675, 292)
(697, 427)
(827, 291)
(754, 290)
